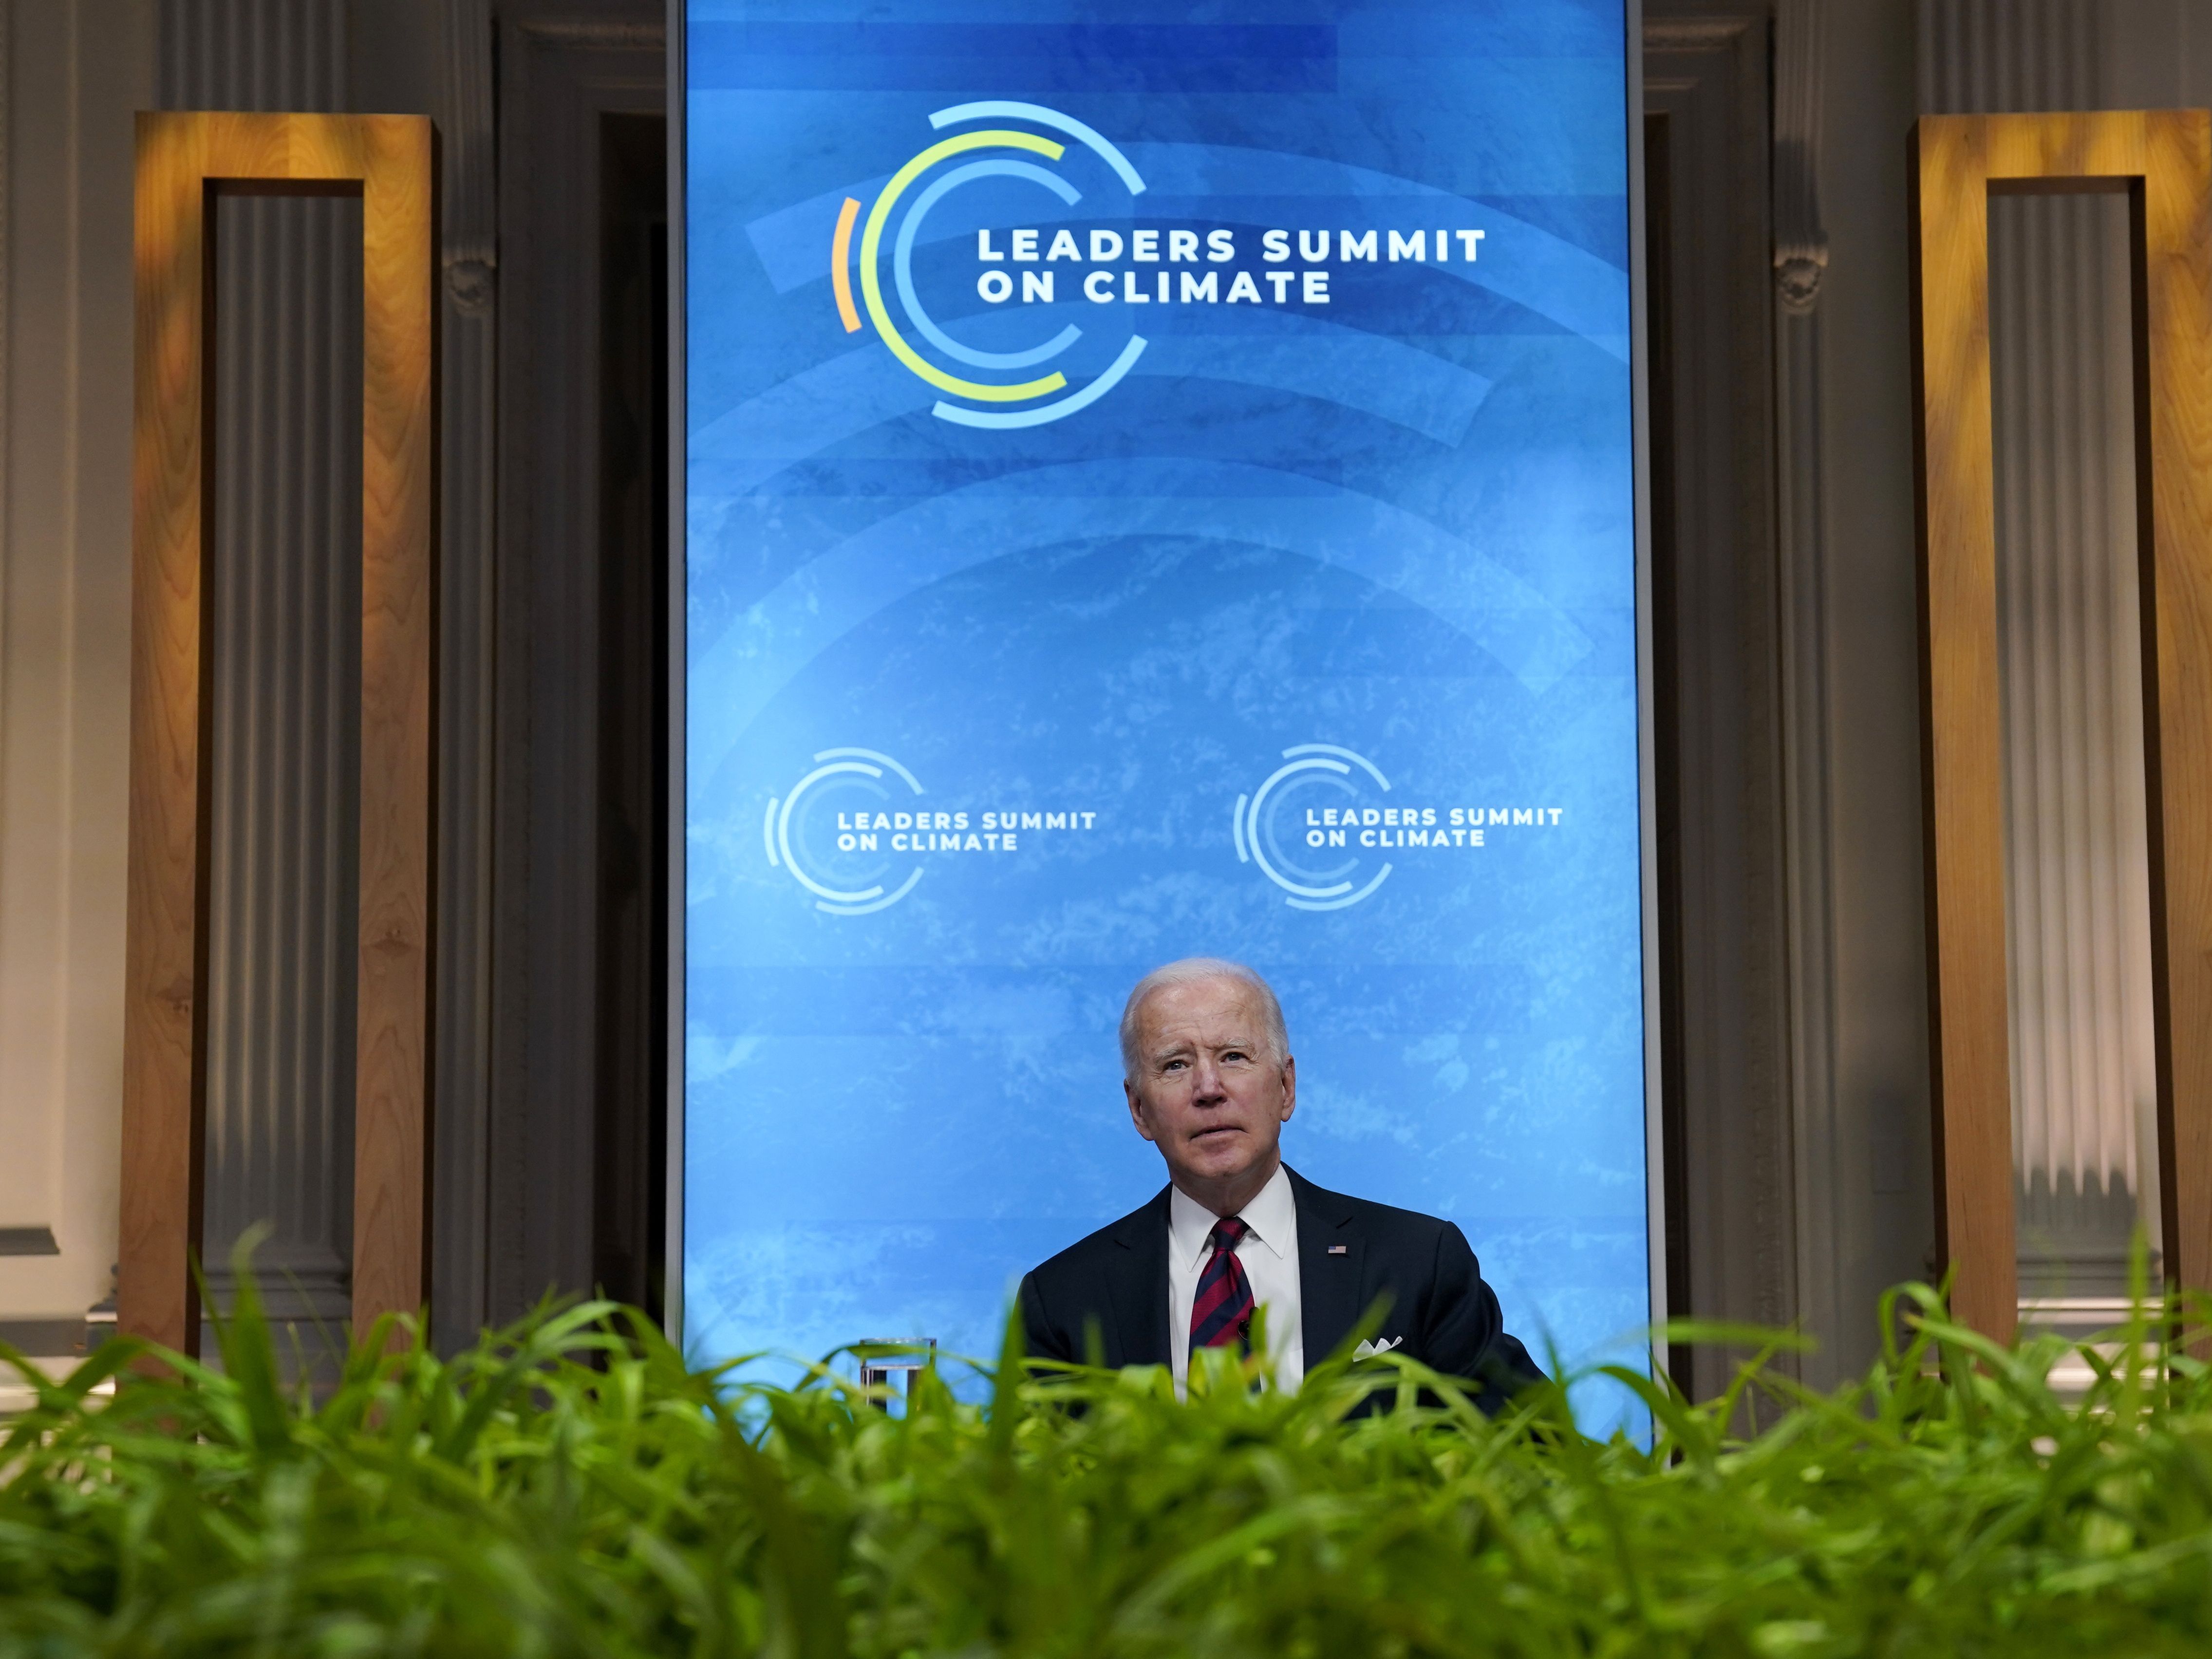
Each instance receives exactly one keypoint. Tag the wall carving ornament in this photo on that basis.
(1800, 244)
(471, 253)
(1800, 258)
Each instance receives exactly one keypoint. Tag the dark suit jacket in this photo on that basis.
(1439, 1304)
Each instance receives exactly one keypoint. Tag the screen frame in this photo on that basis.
(1655, 1251)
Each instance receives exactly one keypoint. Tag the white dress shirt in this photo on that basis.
(1269, 1255)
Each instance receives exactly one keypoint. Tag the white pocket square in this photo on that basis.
(1369, 1350)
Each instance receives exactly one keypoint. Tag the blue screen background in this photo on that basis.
(1400, 523)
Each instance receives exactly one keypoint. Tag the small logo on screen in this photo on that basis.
(809, 832)
(858, 831)
(1327, 828)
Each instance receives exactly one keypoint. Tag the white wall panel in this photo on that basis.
(72, 75)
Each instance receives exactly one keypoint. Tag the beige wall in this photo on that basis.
(75, 73)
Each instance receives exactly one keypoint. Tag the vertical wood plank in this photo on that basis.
(392, 1099)
(1962, 739)
(391, 161)
(2177, 324)
(163, 960)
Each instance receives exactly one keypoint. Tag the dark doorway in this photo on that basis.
(554, 1103)
(630, 1122)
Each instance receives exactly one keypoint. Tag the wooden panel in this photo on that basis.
(162, 961)
(398, 562)
(181, 157)
(1962, 746)
(2174, 318)
(2163, 161)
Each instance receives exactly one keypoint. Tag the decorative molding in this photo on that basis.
(591, 35)
(1801, 244)
(470, 257)
(1822, 1208)
(1802, 595)
(44, 1339)
(472, 284)
(468, 647)
(1722, 856)
(1694, 35)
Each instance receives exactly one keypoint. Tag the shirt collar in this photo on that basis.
(1272, 1215)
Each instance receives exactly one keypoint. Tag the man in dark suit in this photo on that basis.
(1210, 1079)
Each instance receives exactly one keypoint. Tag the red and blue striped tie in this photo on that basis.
(1223, 1311)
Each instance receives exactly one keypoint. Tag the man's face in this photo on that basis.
(1206, 1092)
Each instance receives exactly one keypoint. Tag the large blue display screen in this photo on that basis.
(1160, 483)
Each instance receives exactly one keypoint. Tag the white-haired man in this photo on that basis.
(1207, 1069)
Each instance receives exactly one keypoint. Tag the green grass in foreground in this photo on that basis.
(518, 1499)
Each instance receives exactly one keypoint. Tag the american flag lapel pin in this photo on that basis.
(1337, 1250)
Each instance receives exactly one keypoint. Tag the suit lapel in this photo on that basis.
(1139, 1286)
(1331, 1288)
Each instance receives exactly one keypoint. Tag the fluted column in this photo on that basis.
(285, 729)
(469, 359)
(252, 54)
(1799, 257)
(2078, 916)
(284, 709)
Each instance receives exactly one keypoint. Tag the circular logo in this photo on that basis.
(825, 832)
(1302, 826)
(1008, 393)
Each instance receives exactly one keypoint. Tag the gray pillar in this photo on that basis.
(460, 1249)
